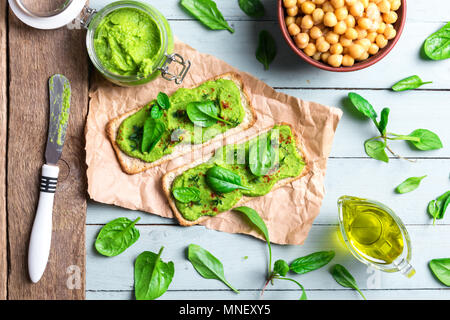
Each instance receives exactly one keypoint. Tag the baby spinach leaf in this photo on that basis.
(409, 83)
(153, 132)
(441, 270)
(261, 156)
(437, 46)
(256, 220)
(207, 265)
(409, 184)
(437, 208)
(384, 117)
(186, 194)
(428, 140)
(117, 236)
(375, 150)
(223, 180)
(156, 112)
(311, 262)
(344, 278)
(204, 113)
(163, 100)
(252, 8)
(207, 13)
(267, 49)
(280, 267)
(152, 276)
(363, 106)
(303, 296)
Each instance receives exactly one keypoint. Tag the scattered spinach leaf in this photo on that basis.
(384, 117)
(344, 278)
(252, 8)
(441, 270)
(437, 208)
(117, 236)
(409, 184)
(223, 180)
(207, 265)
(428, 140)
(267, 49)
(186, 194)
(156, 112)
(261, 157)
(303, 296)
(281, 267)
(363, 106)
(153, 132)
(152, 276)
(136, 137)
(204, 113)
(207, 13)
(163, 100)
(409, 83)
(375, 150)
(437, 46)
(311, 262)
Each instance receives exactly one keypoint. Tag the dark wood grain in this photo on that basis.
(35, 55)
(3, 120)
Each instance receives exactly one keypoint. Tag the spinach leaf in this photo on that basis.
(256, 220)
(163, 100)
(409, 83)
(152, 276)
(223, 180)
(437, 46)
(384, 117)
(311, 262)
(303, 296)
(409, 184)
(186, 194)
(207, 13)
(280, 267)
(437, 208)
(375, 150)
(428, 140)
(117, 236)
(363, 106)
(207, 265)
(204, 113)
(261, 156)
(156, 112)
(441, 270)
(267, 49)
(252, 8)
(153, 132)
(344, 278)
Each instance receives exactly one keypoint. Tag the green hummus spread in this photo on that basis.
(127, 42)
(234, 158)
(179, 128)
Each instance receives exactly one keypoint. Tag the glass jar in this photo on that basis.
(57, 16)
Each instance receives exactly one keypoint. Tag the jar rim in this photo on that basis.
(155, 15)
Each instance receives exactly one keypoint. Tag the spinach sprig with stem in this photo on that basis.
(421, 139)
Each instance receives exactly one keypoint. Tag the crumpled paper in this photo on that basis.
(288, 211)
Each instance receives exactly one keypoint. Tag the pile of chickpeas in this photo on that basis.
(340, 32)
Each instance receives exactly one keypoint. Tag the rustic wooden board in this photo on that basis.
(3, 120)
(34, 55)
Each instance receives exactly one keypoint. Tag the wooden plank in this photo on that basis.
(3, 133)
(113, 274)
(34, 56)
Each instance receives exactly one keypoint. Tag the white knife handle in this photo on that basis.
(41, 234)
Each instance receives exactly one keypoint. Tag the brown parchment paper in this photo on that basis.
(288, 211)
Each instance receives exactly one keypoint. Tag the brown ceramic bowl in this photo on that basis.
(401, 12)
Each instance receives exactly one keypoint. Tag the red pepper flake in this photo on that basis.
(225, 104)
(215, 209)
(213, 195)
(212, 89)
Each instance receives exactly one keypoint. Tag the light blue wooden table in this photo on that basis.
(350, 171)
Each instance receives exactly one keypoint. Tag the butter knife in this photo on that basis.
(41, 234)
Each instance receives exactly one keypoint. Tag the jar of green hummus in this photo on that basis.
(129, 42)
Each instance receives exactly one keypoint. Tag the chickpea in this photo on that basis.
(365, 43)
(319, 40)
(308, 7)
(336, 48)
(289, 20)
(381, 28)
(350, 2)
(390, 17)
(348, 61)
(292, 11)
(316, 56)
(345, 41)
(395, 4)
(351, 33)
(361, 33)
(317, 15)
(384, 6)
(319, 1)
(390, 32)
(340, 27)
(293, 29)
(323, 46)
(357, 9)
(298, 20)
(299, 2)
(337, 3)
(301, 40)
(345, 51)
(307, 22)
(289, 3)
(381, 41)
(364, 56)
(310, 49)
(332, 37)
(315, 33)
(335, 60)
(371, 36)
(356, 51)
(350, 21)
(329, 19)
(364, 23)
(327, 7)
(324, 57)
(373, 49)
(341, 13)
(365, 3)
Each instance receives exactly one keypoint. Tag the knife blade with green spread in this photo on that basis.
(41, 234)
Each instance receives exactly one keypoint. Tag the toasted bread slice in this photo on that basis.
(170, 176)
(132, 165)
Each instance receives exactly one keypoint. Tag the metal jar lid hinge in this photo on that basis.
(175, 57)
